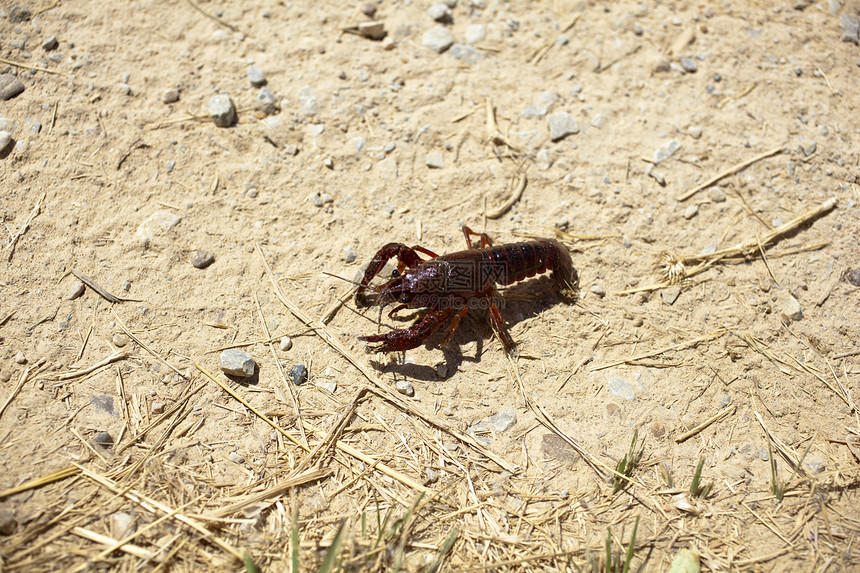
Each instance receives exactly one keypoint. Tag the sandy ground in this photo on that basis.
(750, 365)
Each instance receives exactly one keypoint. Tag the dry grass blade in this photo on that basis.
(35, 213)
(515, 196)
(718, 416)
(145, 347)
(112, 298)
(29, 67)
(118, 355)
(679, 346)
(539, 54)
(268, 495)
(730, 171)
(135, 550)
(39, 482)
(14, 393)
(494, 134)
(212, 17)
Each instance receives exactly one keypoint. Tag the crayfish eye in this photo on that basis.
(404, 298)
(395, 273)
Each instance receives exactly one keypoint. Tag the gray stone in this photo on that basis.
(256, 77)
(328, 385)
(267, 102)
(122, 524)
(405, 387)
(119, 340)
(466, 54)
(222, 110)
(853, 277)
(475, 33)
(158, 222)
(7, 124)
(834, 7)
(689, 65)
(691, 211)
(104, 440)
(806, 146)
(125, 89)
(561, 124)
(789, 306)
(442, 370)
(666, 151)
(236, 363)
(695, 131)
(438, 39)
(349, 255)
(637, 28)
(435, 160)
(716, 195)
(598, 290)
(308, 105)
(544, 159)
(620, 388)
(201, 259)
(369, 9)
(19, 14)
(286, 343)
(77, 290)
(555, 447)
(5, 140)
(670, 294)
(850, 28)
(236, 458)
(49, 44)
(20, 358)
(815, 463)
(8, 523)
(170, 95)
(299, 374)
(10, 86)
(504, 420)
(440, 13)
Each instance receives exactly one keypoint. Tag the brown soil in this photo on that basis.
(727, 340)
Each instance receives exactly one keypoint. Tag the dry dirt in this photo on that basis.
(108, 157)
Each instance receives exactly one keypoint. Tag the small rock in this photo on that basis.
(8, 523)
(475, 33)
(222, 110)
(620, 388)
(555, 447)
(122, 525)
(170, 95)
(691, 211)
(670, 294)
(695, 131)
(789, 307)
(544, 159)
(5, 140)
(657, 429)
(328, 385)
(125, 89)
(716, 195)
(308, 105)
(689, 65)
(442, 370)
(369, 9)
(299, 374)
(236, 363)
(201, 259)
(405, 387)
(158, 222)
(349, 255)
(432, 475)
(504, 421)
(10, 86)
(20, 358)
(435, 160)
(853, 277)
(236, 458)
(806, 146)
(388, 43)
(637, 28)
(850, 28)
(438, 39)
(561, 124)
(440, 13)
(256, 77)
(104, 440)
(119, 340)
(662, 64)
(666, 151)
(814, 463)
(19, 14)
(286, 343)
(76, 291)
(598, 290)
(5, 376)
(158, 407)
(329, 163)
(50, 44)
(466, 54)
(372, 30)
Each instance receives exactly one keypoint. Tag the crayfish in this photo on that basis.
(448, 285)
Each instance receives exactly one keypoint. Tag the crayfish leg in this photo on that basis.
(454, 323)
(409, 338)
(499, 326)
(485, 238)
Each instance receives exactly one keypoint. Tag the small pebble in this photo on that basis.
(369, 9)
(716, 195)
(10, 86)
(789, 307)
(695, 131)
(5, 376)
(236, 458)
(691, 211)
(125, 89)
(621, 388)
(657, 429)
(222, 110)
(50, 44)
(435, 160)
(349, 255)
(328, 385)
(308, 105)
(267, 102)
(637, 28)
(666, 151)
(256, 77)
(853, 277)
(122, 524)
(299, 374)
(598, 290)
(170, 95)
(20, 358)
(201, 259)
(237, 363)
(405, 387)
(689, 64)
(104, 440)
(442, 370)
(670, 294)
(5, 140)
(850, 24)
(806, 146)
(119, 340)
(286, 343)
(440, 13)
(561, 124)
(19, 14)
(8, 523)
(438, 39)
(158, 407)
(77, 290)
(504, 421)
(475, 33)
